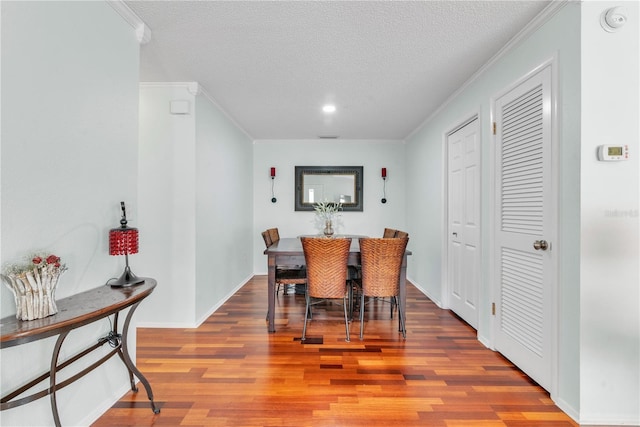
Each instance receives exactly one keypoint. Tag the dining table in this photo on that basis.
(288, 251)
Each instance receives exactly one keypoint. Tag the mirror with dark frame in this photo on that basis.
(338, 184)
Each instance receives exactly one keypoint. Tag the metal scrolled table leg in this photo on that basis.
(115, 333)
(52, 377)
(130, 365)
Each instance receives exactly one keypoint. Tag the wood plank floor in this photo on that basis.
(231, 372)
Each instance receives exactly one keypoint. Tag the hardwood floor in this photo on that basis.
(231, 372)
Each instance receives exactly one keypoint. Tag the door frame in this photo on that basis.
(493, 287)
(444, 266)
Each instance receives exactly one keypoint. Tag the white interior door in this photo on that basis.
(524, 265)
(463, 152)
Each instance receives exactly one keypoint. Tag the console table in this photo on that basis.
(73, 312)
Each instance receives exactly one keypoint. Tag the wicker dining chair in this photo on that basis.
(381, 261)
(286, 275)
(326, 261)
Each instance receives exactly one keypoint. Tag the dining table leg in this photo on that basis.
(271, 289)
(403, 293)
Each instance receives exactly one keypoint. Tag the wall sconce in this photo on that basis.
(124, 241)
(273, 177)
(384, 185)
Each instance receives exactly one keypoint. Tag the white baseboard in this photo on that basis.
(204, 317)
(104, 406)
(222, 301)
(567, 409)
(424, 291)
(604, 420)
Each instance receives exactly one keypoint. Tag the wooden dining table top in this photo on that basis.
(293, 245)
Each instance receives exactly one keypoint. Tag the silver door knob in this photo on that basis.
(540, 245)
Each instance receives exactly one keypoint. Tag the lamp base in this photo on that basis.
(126, 279)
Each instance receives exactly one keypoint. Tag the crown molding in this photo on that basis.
(143, 33)
(545, 15)
(194, 88)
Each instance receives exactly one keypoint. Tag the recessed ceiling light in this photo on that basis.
(329, 108)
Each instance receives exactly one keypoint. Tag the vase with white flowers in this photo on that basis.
(326, 211)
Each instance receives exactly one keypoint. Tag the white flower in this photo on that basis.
(39, 262)
(326, 210)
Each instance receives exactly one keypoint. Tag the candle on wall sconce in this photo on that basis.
(273, 177)
(384, 185)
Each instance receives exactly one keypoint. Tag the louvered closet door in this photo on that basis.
(524, 267)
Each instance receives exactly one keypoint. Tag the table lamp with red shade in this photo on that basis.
(124, 241)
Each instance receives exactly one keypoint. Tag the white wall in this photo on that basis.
(609, 285)
(224, 207)
(559, 37)
(599, 326)
(167, 200)
(286, 155)
(69, 156)
(195, 205)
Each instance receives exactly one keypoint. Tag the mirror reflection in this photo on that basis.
(329, 183)
(332, 188)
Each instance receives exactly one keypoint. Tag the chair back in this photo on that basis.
(389, 232)
(274, 234)
(381, 261)
(326, 261)
(401, 234)
(266, 238)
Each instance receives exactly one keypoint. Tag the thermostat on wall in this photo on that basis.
(613, 153)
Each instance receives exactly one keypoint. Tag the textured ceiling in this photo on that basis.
(271, 65)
